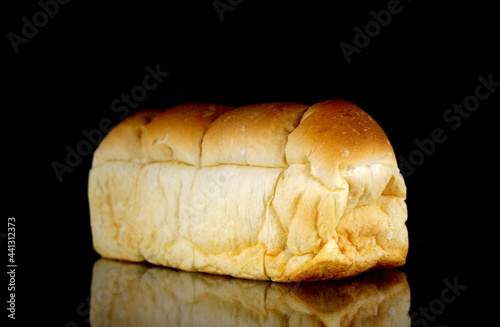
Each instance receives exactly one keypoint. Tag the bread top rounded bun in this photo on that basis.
(176, 133)
(254, 135)
(332, 136)
(123, 142)
(336, 135)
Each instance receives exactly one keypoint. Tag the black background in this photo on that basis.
(64, 80)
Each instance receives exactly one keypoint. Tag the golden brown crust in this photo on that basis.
(335, 135)
(176, 133)
(330, 134)
(123, 142)
(253, 135)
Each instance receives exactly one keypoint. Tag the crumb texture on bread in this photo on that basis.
(275, 191)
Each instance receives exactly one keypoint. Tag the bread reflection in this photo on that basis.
(130, 294)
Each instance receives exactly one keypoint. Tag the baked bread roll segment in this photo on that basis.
(273, 191)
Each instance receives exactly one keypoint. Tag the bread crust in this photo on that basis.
(336, 135)
(123, 142)
(254, 135)
(176, 133)
(274, 191)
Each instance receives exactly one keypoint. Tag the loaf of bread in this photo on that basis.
(274, 191)
(130, 294)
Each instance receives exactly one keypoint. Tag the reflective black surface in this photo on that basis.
(103, 292)
(128, 294)
(63, 83)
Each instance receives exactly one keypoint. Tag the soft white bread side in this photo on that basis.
(273, 191)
